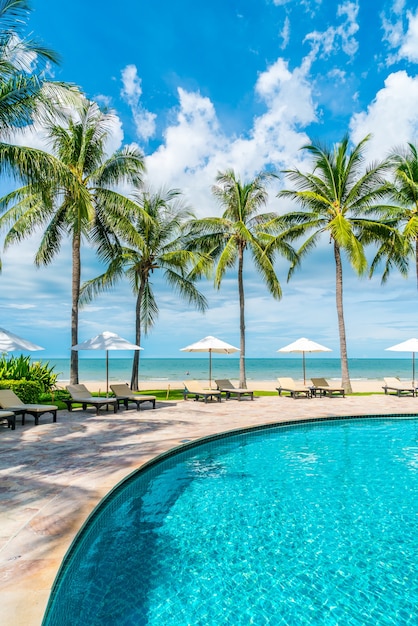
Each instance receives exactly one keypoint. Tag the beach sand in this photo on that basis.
(358, 386)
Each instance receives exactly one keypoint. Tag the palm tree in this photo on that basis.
(153, 241)
(70, 193)
(25, 94)
(338, 198)
(240, 228)
(403, 216)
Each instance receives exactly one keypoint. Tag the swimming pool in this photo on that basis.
(313, 523)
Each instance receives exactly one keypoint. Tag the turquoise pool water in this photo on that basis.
(306, 524)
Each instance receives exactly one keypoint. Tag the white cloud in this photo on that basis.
(409, 47)
(335, 37)
(398, 6)
(393, 25)
(338, 75)
(186, 159)
(310, 6)
(401, 33)
(285, 33)
(131, 93)
(392, 117)
(287, 94)
(19, 307)
(195, 147)
(103, 100)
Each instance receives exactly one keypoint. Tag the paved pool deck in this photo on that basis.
(53, 475)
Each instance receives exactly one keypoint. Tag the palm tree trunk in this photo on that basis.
(345, 376)
(135, 364)
(75, 296)
(242, 376)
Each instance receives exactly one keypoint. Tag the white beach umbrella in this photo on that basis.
(9, 342)
(106, 341)
(304, 345)
(210, 344)
(410, 345)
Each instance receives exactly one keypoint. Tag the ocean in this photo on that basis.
(197, 368)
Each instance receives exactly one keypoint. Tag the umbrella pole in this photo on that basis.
(304, 369)
(413, 369)
(107, 373)
(210, 369)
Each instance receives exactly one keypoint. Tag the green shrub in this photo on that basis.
(21, 368)
(27, 390)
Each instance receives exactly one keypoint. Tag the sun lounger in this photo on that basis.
(225, 386)
(11, 402)
(10, 417)
(81, 395)
(295, 391)
(195, 389)
(399, 389)
(124, 395)
(321, 387)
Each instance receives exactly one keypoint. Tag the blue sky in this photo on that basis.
(202, 87)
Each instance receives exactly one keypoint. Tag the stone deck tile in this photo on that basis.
(53, 475)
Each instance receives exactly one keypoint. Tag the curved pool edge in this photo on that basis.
(189, 445)
(31, 567)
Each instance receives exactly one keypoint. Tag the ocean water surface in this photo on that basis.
(197, 368)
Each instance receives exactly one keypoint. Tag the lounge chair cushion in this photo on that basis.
(296, 391)
(10, 417)
(228, 388)
(194, 388)
(124, 395)
(400, 389)
(322, 386)
(10, 401)
(81, 395)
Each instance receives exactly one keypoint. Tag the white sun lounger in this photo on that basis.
(195, 389)
(124, 395)
(323, 388)
(226, 387)
(81, 395)
(295, 391)
(394, 384)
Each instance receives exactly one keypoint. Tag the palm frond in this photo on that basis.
(263, 261)
(308, 245)
(106, 281)
(186, 288)
(227, 259)
(51, 240)
(126, 165)
(394, 252)
(149, 308)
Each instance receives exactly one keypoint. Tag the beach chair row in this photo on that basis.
(194, 389)
(122, 396)
(319, 388)
(12, 407)
(393, 386)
